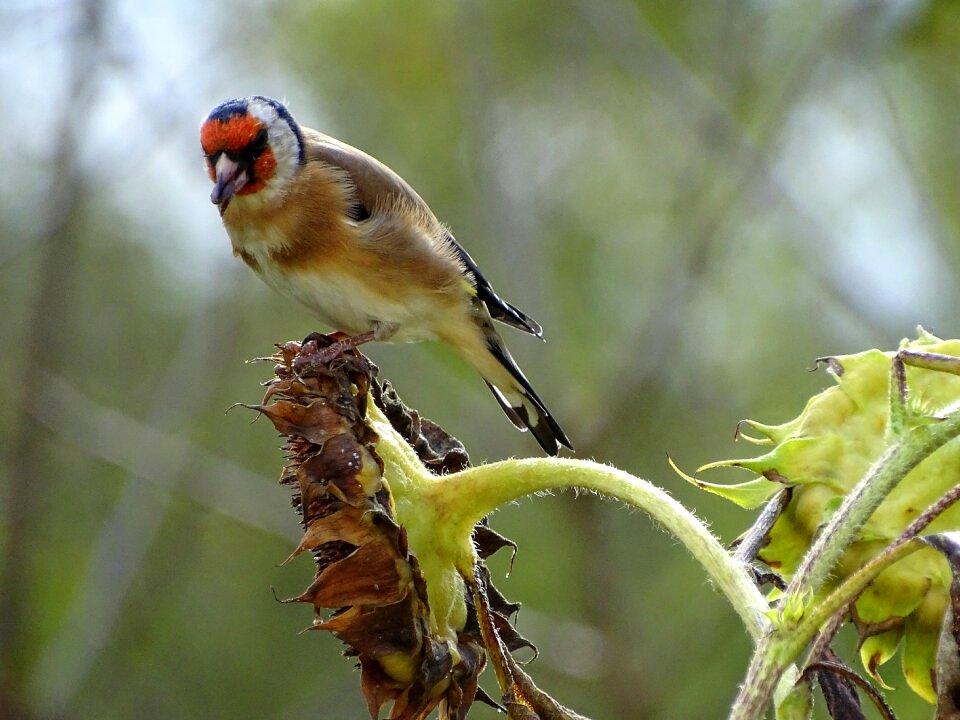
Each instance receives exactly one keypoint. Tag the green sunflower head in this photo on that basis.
(820, 456)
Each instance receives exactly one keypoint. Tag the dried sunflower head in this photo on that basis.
(415, 653)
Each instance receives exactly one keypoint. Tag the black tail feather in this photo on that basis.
(543, 427)
(508, 409)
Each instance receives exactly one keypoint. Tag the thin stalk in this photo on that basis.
(850, 589)
(776, 651)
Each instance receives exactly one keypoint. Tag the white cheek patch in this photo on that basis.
(286, 149)
(284, 144)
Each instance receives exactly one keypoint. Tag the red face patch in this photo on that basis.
(262, 171)
(234, 136)
(231, 136)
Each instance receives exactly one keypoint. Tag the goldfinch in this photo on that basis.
(345, 236)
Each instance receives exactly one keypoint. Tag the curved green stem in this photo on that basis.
(457, 502)
(491, 486)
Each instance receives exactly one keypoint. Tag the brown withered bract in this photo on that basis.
(365, 572)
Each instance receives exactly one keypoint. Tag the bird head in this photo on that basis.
(253, 149)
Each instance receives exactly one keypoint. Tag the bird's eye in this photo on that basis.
(259, 143)
(211, 159)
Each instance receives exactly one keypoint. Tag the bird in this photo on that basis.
(342, 234)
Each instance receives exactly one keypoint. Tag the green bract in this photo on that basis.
(821, 455)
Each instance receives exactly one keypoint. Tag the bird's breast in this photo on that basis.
(347, 295)
(338, 299)
(389, 277)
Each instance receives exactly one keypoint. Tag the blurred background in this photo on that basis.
(694, 199)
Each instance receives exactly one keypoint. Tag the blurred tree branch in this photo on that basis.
(119, 549)
(923, 182)
(635, 46)
(150, 454)
(25, 461)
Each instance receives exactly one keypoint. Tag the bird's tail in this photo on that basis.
(519, 400)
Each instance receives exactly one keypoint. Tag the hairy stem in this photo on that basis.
(462, 499)
(775, 652)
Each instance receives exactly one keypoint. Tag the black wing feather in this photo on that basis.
(499, 308)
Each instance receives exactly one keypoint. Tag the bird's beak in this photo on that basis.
(230, 177)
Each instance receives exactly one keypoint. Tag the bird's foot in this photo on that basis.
(324, 349)
(348, 343)
(322, 340)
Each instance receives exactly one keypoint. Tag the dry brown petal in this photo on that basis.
(371, 575)
(489, 541)
(306, 421)
(378, 631)
(353, 525)
(343, 468)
